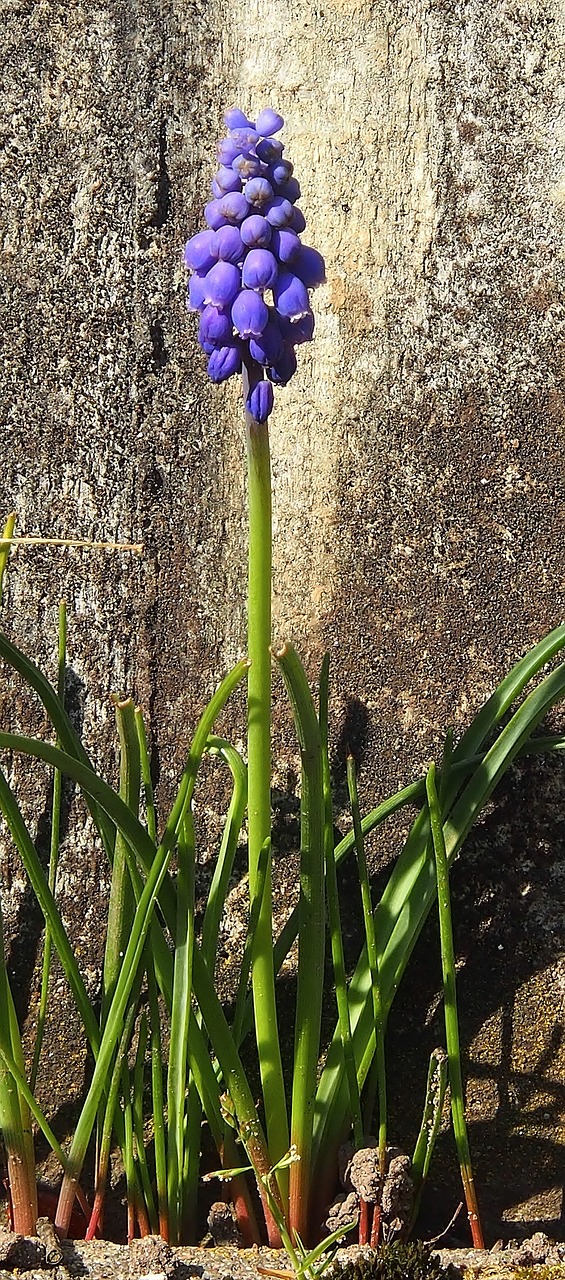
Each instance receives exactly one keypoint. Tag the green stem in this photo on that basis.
(259, 784)
(450, 1008)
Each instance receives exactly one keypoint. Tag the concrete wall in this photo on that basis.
(417, 456)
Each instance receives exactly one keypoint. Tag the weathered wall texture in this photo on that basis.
(417, 456)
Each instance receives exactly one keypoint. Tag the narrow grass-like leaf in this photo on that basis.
(436, 1085)
(138, 1129)
(230, 836)
(145, 765)
(372, 956)
(450, 1010)
(40, 886)
(311, 935)
(411, 889)
(121, 904)
(334, 918)
(180, 1018)
(15, 1120)
(140, 928)
(53, 854)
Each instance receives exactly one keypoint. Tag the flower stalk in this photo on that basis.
(259, 778)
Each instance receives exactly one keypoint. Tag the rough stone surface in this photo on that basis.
(417, 460)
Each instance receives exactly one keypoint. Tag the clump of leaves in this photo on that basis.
(395, 1261)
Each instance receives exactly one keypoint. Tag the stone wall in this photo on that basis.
(417, 456)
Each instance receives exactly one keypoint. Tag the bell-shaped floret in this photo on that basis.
(285, 245)
(282, 370)
(291, 296)
(256, 232)
(259, 402)
(195, 294)
(223, 282)
(223, 362)
(268, 348)
(215, 328)
(249, 314)
(227, 244)
(260, 269)
(297, 331)
(197, 252)
(298, 221)
(310, 266)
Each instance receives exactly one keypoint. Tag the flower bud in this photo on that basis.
(234, 206)
(285, 244)
(215, 327)
(196, 291)
(235, 119)
(279, 212)
(310, 266)
(258, 192)
(268, 122)
(227, 244)
(259, 402)
(227, 180)
(268, 348)
(224, 362)
(282, 370)
(256, 232)
(269, 150)
(247, 166)
(213, 215)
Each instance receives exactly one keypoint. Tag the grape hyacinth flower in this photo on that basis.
(251, 274)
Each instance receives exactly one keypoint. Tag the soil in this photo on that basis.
(151, 1259)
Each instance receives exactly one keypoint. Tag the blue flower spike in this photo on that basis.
(250, 272)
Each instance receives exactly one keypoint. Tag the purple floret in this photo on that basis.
(259, 402)
(197, 252)
(258, 192)
(223, 282)
(310, 266)
(236, 119)
(268, 122)
(215, 327)
(269, 150)
(260, 269)
(234, 206)
(249, 314)
(224, 362)
(227, 244)
(256, 232)
(279, 212)
(283, 369)
(291, 296)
